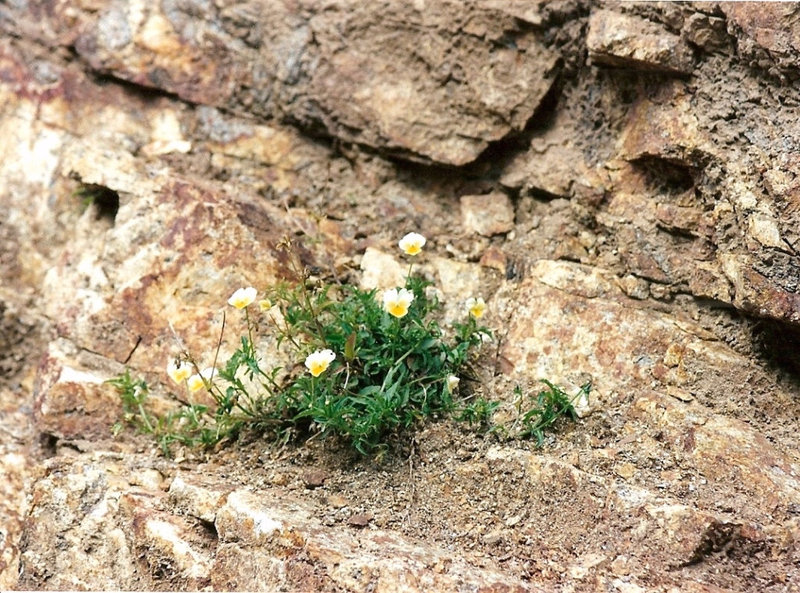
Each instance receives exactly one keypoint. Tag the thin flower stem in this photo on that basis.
(249, 332)
(219, 341)
(302, 273)
(395, 333)
(270, 380)
(245, 411)
(284, 331)
(346, 378)
(397, 364)
(313, 311)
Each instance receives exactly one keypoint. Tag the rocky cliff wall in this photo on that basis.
(619, 180)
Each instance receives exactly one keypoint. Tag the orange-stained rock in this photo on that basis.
(342, 68)
(72, 398)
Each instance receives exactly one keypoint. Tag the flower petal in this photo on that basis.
(179, 371)
(476, 307)
(243, 297)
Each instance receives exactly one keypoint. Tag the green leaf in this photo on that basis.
(350, 347)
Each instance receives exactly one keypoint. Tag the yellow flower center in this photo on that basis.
(477, 310)
(396, 302)
(412, 243)
(242, 297)
(179, 372)
(476, 307)
(398, 309)
(319, 361)
(318, 367)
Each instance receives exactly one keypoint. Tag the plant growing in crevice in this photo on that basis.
(536, 413)
(105, 201)
(364, 365)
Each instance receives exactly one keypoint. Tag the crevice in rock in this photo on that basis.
(209, 529)
(772, 343)
(666, 176)
(778, 344)
(102, 200)
(542, 195)
(545, 114)
(482, 175)
(141, 91)
(715, 539)
(48, 445)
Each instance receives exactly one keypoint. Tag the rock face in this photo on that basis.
(620, 182)
(435, 82)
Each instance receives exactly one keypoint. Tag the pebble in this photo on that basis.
(360, 519)
(337, 501)
(314, 478)
(626, 470)
(493, 537)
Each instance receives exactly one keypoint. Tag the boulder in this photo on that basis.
(433, 82)
(766, 28)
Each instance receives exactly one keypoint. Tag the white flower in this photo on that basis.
(318, 362)
(476, 307)
(396, 302)
(201, 379)
(265, 304)
(452, 383)
(179, 371)
(412, 243)
(243, 297)
(194, 383)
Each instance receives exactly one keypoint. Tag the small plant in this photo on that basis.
(478, 413)
(134, 395)
(537, 413)
(363, 365)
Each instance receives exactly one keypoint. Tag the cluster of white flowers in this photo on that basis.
(396, 302)
(181, 371)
